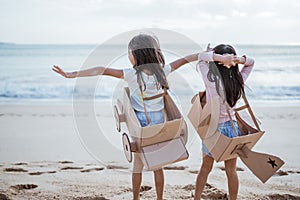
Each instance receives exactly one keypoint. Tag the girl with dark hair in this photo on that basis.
(224, 80)
(147, 78)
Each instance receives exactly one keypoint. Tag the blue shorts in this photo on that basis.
(225, 129)
(156, 117)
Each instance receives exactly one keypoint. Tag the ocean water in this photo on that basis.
(26, 75)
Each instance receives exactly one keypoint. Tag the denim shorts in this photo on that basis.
(156, 117)
(225, 129)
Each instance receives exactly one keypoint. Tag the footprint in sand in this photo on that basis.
(17, 188)
(283, 197)
(71, 168)
(175, 168)
(123, 191)
(66, 162)
(193, 187)
(281, 173)
(92, 169)
(293, 172)
(126, 190)
(145, 188)
(40, 173)
(15, 170)
(189, 187)
(21, 163)
(284, 173)
(90, 198)
(115, 167)
(3, 197)
(211, 192)
(238, 169)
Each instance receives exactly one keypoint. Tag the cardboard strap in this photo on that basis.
(241, 108)
(250, 111)
(145, 110)
(149, 98)
(155, 96)
(146, 114)
(231, 121)
(247, 105)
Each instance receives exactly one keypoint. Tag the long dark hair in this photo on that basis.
(231, 78)
(148, 56)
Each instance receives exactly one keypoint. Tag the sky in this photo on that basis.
(95, 21)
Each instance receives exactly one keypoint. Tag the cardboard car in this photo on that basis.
(158, 144)
(204, 117)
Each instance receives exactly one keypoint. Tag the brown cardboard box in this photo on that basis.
(163, 153)
(159, 144)
(205, 119)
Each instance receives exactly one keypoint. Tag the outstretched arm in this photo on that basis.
(95, 71)
(178, 63)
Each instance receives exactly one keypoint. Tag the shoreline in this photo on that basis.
(253, 102)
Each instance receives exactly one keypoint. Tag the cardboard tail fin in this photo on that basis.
(263, 166)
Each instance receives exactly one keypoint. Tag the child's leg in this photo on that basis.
(136, 185)
(155, 118)
(233, 180)
(230, 165)
(159, 183)
(207, 164)
(137, 175)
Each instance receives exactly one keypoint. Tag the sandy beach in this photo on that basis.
(45, 155)
(65, 63)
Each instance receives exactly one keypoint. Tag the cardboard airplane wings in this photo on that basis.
(204, 116)
(158, 144)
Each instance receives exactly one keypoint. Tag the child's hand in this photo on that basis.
(240, 60)
(228, 60)
(208, 48)
(58, 70)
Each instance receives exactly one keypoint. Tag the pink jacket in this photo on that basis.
(203, 59)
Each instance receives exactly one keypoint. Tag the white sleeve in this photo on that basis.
(167, 69)
(248, 66)
(206, 56)
(127, 73)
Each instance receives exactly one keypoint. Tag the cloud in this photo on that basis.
(239, 13)
(266, 14)
(78, 21)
